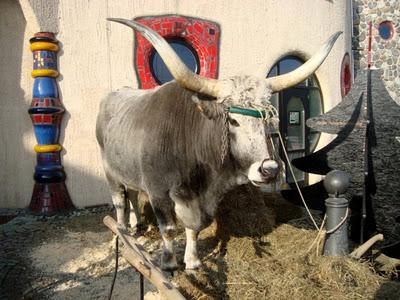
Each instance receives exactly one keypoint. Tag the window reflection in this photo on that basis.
(287, 65)
(314, 99)
(295, 105)
(185, 53)
(386, 30)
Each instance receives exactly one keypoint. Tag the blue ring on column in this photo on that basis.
(46, 134)
(45, 87)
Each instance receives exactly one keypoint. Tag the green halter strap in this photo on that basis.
(247, 112)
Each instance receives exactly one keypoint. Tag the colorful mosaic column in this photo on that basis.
(50, 194)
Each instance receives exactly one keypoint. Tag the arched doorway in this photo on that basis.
(295, 106)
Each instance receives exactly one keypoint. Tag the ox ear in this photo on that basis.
(208, 106)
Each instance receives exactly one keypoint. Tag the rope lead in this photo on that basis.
(115, 270)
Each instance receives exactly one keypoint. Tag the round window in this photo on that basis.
(185, 52)
(386, 30)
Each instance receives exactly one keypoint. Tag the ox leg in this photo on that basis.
(168, 258)
(164, 212)
(119, 201)
(118, 196)
(191, 258)
(135, 218)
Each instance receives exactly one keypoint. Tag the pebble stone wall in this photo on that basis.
(385, 53)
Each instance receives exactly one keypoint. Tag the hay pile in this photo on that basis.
(261, 260)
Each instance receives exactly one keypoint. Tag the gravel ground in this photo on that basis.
(62, 257)
(73, 256)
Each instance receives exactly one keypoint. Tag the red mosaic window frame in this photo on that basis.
(202, 35)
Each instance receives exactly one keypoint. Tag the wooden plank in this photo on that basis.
(136, 255)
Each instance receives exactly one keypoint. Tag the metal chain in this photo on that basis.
(224, 138)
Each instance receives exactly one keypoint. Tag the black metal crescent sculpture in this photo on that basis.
(349, 120)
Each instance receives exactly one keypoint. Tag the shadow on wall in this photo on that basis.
(16, 162)
(92, 190)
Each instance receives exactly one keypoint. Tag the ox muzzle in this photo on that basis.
(264, 172)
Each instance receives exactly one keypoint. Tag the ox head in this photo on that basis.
(243, 99)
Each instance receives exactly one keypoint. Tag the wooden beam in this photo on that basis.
(137, 256)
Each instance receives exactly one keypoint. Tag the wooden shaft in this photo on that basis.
(357, 253)
(134, 253)
(127, 240)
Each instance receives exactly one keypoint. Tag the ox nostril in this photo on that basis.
(268, 167)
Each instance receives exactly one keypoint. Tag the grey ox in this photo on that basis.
(179, 144)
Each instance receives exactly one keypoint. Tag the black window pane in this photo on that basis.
(159, 69)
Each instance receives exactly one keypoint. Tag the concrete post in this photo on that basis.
(336, 243)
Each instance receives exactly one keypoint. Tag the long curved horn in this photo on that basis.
(178, 69)
(284, 81)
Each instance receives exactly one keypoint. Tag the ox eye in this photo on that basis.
(233, 122)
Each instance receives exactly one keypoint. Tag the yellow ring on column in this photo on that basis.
(44, 46)
(44, 73)
(47, 148)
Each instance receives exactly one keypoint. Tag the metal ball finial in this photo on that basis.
(336, 182)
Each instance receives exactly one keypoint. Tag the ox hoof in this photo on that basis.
(139, 229)
(192, 264)
(168, 262)
(122, 226)
(169, 266)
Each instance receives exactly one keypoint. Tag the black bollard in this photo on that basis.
(337, 211)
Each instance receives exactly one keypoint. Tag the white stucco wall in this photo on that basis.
(97, 57)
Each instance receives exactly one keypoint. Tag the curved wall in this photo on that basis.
(97, 57)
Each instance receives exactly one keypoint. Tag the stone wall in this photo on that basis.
(385, 53)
